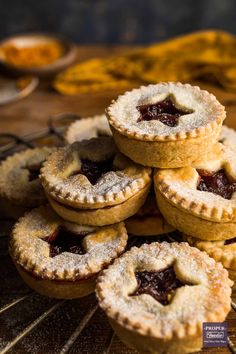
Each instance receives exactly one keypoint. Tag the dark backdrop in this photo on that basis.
(116, 21)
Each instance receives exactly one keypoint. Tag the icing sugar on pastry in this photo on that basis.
(186, 97)
(19, 181)
(30, 246)
(138, 310)
(64, 178)
(87, 128)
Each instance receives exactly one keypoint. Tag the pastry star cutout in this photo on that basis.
(217, 183)
(165, 111)
(34, 171)
(62, 240)
(160, 285)
(93, 170)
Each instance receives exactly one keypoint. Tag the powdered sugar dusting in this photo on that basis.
(59, 167)
(204, 105)
(14, 181)
(88, 128)
(194, 301)
(101, 246)
(184, 182)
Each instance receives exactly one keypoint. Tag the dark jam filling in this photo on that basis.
(62, 240)
(34, 171)
(164, 111)
(160, 285)
(217, 183)
(230, 241)
(93, 170)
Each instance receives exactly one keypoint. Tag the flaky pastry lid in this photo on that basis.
(206, 298)
(87, 128)
(208, 113)
(179, 187)
(111, 188)
(14, 180)
(29, 250)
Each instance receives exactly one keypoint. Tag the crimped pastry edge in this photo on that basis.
(217, 213)
(206, 130)
(182, 330)
(70, 131)
(20, 257)
(98, 201)
(17, 158)
(227, 258)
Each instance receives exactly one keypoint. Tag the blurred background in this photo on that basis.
(119, 21)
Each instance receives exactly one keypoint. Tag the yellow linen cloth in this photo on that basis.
(208, 56)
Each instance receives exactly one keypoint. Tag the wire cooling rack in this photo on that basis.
(31, 323)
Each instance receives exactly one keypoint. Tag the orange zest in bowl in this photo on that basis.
(32, 56)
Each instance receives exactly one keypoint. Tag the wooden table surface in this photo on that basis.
(30, 115)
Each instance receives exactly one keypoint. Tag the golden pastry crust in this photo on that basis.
(88, 128)
(15, 186)
(58, 289)
(102, 216)
(153, 143)
(148, 221)
(194, 225)
(32, 253)
(179, 187)
(226, 254)
(112, 188)
(207, 112)
(143, 322)
(167, 154)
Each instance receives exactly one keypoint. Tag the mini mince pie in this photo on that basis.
(158, 296)
(228, 136)
(60, 259)
(148, 221)
(20, 188)
(91, 183)
(87, 128)
(223, 251)
(166, 125)
(201, 201)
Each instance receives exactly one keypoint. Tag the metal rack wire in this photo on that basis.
(31, 323)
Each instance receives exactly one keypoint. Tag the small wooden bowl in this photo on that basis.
(33, 39)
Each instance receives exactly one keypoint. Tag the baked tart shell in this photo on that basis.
(102, 216)
(193, 225)
(152, 345)
(163, 145)
(146, 325)
(166, 154)
(58, 289)
(179, 187)
(20, 188)
(57, 264)
(111, 188)
(221, 253)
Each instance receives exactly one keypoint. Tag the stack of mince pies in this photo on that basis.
(158, 162)
(92, 183)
